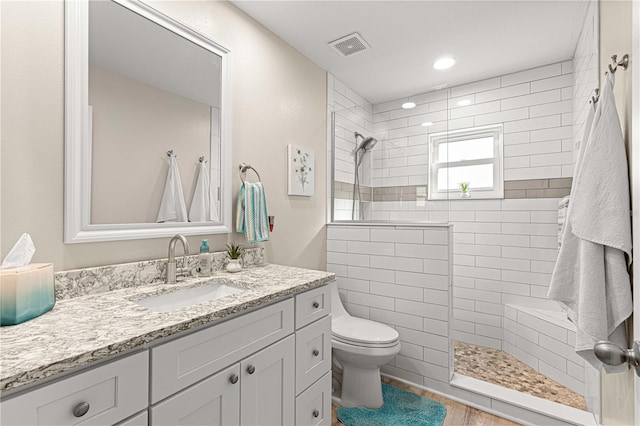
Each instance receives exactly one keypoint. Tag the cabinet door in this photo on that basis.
(268, 383)
(213, 401)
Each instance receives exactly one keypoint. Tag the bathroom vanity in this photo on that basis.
(261, 356)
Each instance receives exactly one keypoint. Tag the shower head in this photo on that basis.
(367, 144)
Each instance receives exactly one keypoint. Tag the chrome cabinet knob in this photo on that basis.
(316, 305)
(81, 409)
(233, 379)
(611, 354)
(251, 369)
(316, 413)
(315, 352)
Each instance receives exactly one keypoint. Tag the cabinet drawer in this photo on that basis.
(112, 392)
(213, 401)
(312, 305)
(184, 361)
(313, 406)
(313, 353)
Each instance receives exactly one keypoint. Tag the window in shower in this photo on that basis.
(471, 156)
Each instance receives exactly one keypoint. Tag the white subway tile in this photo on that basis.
(339, 270)
(532, 124)
(530, 204)
(559, 82)
(542, 266)
(426, 310)
(526, 277)
(561, 377)
(371, 300)
(516, 138)
(396, 235)
(475, 250)
(549, 255)
(437, 297)
(532, 74)
(502, 93)
(477, 109)
(438, 267)
(437, 282)
(396, 318)
(544, 216)
(466, 326)
(353, 284)
(488, 331)
(521, 330)
(544, 327)
(463, 237)
(460, 123)
(478, 86)
(521, 355)
(426, 340)
(336, 246)
(359, 311)
(551, 108)
(503, 240)
(463, 259)
(422, 251)
(532, 148)
(349, 234)
(475, 339)
(356, 259)
(475, 227)
(473, 205)
(555, 159)
(377, 248)
(397, 263)
(502, 263)
(371, 274)
(423, 368)
(503, 216)
(464, 282)
(553, 133)
(576, 371)
(533, 173)
(475, 272)
(412, 351)
(530, 228)
(560, 348)
(396, 291)
(462, 216)
(532, 99)
(516, 289)
(501, 117)
(436, 357)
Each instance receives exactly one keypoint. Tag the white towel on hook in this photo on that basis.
(172, 208)
(590, 279)
(200, 210)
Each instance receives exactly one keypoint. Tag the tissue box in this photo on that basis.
(26, 292)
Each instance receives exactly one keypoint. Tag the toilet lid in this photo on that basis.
(362, 331)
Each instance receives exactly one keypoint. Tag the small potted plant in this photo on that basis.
(234, 251)
(464, 189)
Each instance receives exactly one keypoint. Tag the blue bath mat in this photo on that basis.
(400, 408)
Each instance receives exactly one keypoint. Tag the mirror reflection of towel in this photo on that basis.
(200, 210)
(173, 208)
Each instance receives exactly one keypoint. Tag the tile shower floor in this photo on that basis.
(500, 368)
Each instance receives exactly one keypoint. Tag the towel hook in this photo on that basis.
(623, 63)
(243, 169)
(202, 160)
(170, 153)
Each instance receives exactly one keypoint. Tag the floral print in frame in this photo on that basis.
(301, 171)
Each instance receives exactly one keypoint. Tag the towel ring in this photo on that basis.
(243, 169)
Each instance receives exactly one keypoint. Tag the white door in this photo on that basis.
(268, 382)
(213, 402)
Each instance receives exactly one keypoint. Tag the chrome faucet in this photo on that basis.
(172, 271)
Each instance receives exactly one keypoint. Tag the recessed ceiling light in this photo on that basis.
(427, 124)
(408, 105)
(464, 102)
(444, 63)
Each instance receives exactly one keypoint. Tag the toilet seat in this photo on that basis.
(362, 332)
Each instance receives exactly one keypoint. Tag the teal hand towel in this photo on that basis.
(251, 214)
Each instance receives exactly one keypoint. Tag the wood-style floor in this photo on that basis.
(457, 414)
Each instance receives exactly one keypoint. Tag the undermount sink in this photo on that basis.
(192, 296)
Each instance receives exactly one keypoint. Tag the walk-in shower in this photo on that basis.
(503, 244)
(365, 146)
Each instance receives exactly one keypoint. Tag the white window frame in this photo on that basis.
(435, 139)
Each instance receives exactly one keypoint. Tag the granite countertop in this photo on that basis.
(85, 329)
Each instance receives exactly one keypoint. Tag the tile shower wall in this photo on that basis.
(534, 105)
(400, 276)
(351, 113)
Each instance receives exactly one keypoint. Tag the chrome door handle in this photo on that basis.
(612, 354)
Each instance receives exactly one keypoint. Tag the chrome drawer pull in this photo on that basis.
(316, 305)
(81, 409)
(316, 413)
(233, 379)
(251, 369)
(315, 352)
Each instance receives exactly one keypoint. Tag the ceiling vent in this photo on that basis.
(350, 44)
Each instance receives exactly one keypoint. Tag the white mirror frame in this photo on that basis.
(77, 175)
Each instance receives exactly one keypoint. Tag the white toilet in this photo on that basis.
(360, 348)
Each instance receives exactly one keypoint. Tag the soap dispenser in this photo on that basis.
(204, 260)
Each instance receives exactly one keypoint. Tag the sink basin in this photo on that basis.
(192, 296)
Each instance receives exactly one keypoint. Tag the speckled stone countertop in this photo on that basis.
(81, 330)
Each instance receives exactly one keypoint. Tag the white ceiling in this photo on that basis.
(487, 38)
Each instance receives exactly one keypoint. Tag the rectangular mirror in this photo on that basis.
(139, 85)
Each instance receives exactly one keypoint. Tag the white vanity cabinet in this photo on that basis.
(270, 366)
(102, 396)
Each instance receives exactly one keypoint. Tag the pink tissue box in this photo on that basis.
(26, 292)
